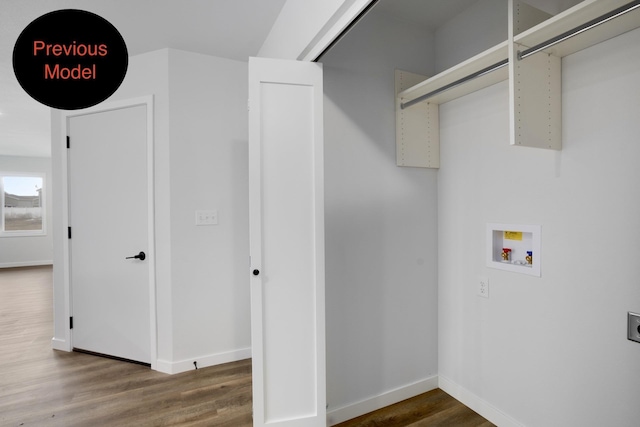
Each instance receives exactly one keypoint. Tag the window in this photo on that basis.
(22, 204)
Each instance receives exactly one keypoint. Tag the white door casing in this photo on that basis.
(286, 186)
(110, 198)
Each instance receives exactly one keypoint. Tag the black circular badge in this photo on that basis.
(70, 59)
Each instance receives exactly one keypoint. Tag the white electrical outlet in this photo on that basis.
(483, 287)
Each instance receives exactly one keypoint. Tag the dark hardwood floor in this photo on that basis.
(43, 387)
(433, 409)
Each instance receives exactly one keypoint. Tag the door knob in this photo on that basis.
(141, 256)
(256, 272)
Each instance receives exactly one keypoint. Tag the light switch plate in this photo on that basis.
(633, 326)
(207, 217)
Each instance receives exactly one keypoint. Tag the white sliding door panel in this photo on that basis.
(287, 242)
(288, 252)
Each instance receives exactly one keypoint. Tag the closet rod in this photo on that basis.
(579, 29)
(458, 82)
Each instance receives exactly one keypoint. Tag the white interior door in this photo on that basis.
(287, 242)
(108, 215)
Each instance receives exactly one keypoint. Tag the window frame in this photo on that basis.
(43, 205)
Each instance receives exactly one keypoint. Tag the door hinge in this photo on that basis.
(68, 142)
(71, 322)
(69, 230)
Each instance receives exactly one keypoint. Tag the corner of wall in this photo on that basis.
(344, 413)
(169, 367)
(474, 402)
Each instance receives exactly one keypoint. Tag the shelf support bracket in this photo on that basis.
(417, 128)
(535, 94)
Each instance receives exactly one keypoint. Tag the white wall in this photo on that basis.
(549, 351)
(200, 147)
(381, 277)
(29, 250)
(209, 170)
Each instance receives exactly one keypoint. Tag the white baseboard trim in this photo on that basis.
(348, 412)
(203, 361)
(60, 344)
(25, 264)
(479, 405)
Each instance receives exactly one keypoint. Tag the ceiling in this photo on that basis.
(233, 29)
